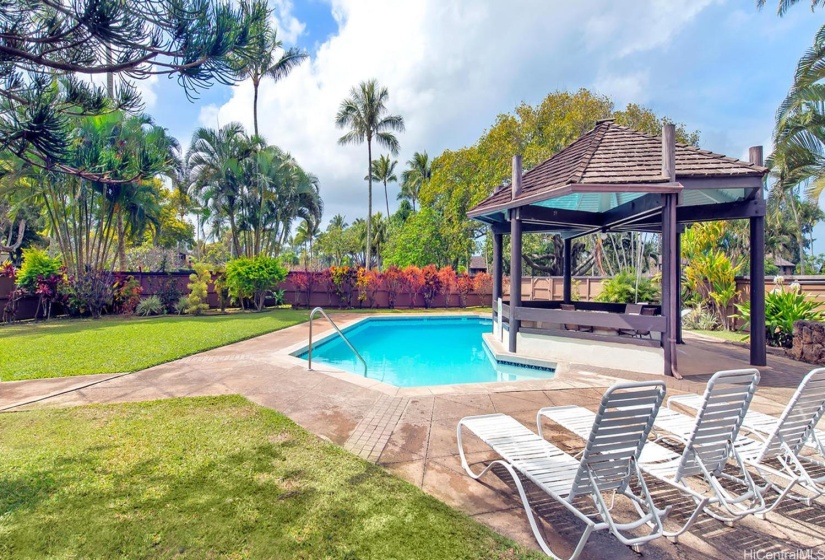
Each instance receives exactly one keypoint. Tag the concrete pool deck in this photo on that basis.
(411, 432)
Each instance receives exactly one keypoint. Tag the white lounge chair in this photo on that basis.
(608, 463)
(706, 443)
(774, 448)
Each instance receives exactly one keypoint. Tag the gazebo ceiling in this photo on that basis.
(612, 176)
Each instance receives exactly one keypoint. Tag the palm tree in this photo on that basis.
(383, 170)
(214, 161)
(364, 113)
(418, 173)
(337, 221)
(783, 5)
(259, 61)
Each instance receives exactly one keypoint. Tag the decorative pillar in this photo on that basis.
(498, 243)
(757, 256)
(568, 268)
(515, 255)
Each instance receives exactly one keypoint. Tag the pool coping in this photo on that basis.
(289, 355)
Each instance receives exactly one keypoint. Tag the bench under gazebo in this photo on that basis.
(615, 179)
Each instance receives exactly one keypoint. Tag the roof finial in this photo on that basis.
(516, 184)
(669, 152)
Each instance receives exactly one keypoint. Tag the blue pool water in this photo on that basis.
(415, 352)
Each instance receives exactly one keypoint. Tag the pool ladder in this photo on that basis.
(341, 334)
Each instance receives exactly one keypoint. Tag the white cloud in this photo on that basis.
(288, 26)
(630, 87)
(450, 67)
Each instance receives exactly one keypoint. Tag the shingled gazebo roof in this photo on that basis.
(611, 159)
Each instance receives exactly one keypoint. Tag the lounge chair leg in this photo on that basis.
(700, 507)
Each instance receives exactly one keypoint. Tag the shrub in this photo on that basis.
(783, 306)
(151, 305)
(279, 296)
(374, 280)
(483, 284)
(304, 282)
(394, 281)
(169, 293)
(413, 282)
(448, 279)
(8, 270)
(431, 286)
(253, 278)
(221, 289)
(343, 279)
(42, 276)
(198, 289)
(700, 319)
(36, 263)
(622, 289)
(126, 294)
(90, 293)
(464, 284)
(49, 290)
(182, 305)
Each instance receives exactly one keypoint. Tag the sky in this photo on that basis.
(451, 66)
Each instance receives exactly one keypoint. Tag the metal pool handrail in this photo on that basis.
(341, 334)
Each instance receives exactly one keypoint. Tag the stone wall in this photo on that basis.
(808, 342)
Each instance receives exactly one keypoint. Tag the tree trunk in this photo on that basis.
(121, 242)
(255, 107)
(369, 206)
(387, 198)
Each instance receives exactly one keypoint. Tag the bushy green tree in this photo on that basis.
(253, 278)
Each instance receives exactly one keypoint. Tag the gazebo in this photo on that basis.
(615, 179)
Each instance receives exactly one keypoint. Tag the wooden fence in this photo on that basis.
(536, 288)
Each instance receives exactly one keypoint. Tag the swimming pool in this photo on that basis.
(415, 352)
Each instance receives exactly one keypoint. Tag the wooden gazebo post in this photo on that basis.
(670, 256)
(515, 256)
(498, 243)
(568, 270)
(757, 256)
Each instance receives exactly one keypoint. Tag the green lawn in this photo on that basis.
(60, 348)
(724, 335)
(210, 478)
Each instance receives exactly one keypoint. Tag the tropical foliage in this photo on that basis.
(249, 191)
(784, 305)
(626, 287)
(48, 46)
(710, 276)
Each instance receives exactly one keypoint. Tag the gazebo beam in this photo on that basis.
(559, 216)
(633, 210)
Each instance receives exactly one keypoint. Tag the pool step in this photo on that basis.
(373, 432)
